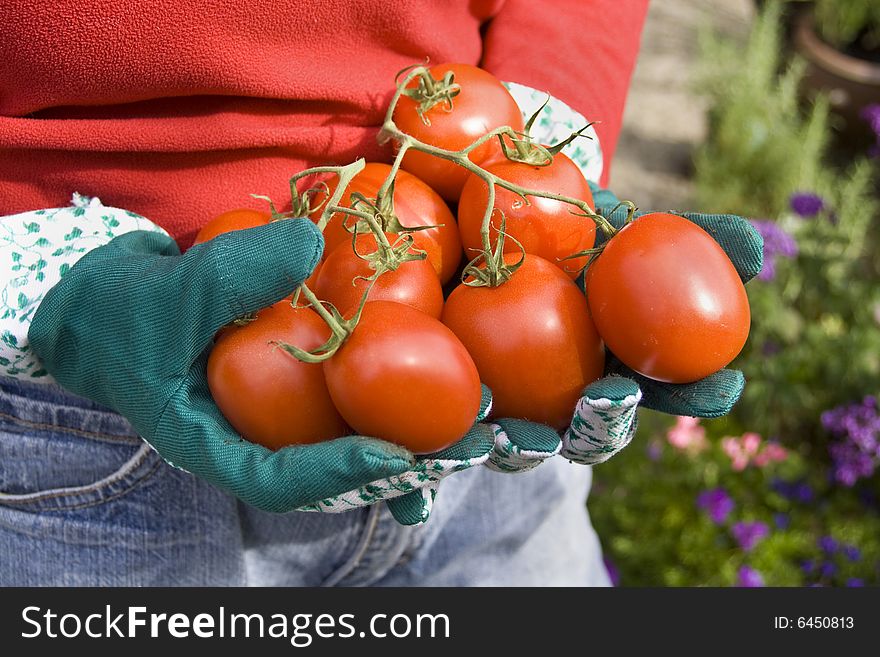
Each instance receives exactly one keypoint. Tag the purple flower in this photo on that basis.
(717, 503)
(828, 545)
(857, 454)
(855, 582)
(797, 491)
(777, 243)
(808, 566)
(749, 578)
(654, 450)
(781, 520)
(852, 553)
(803, 492)
(748, 534)
(828, 569)
(806, 204)
(781, 486)
(871, 114)
(613, 572)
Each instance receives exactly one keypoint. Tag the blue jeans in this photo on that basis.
(84, 501)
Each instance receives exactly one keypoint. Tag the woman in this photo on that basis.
(177, 113)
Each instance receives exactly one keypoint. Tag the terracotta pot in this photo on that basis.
(851, 83)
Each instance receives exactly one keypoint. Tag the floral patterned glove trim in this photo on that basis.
(556, 123)
(36, 249)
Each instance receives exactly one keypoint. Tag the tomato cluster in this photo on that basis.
(406, 363)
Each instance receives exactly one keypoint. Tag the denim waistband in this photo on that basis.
(39, 404)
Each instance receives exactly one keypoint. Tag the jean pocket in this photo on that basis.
(58, 454)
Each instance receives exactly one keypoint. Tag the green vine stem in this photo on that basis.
(344, 173)
(429, 93)
(404, 142)
(340, 328)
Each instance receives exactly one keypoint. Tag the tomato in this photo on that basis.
(404, 377)
(532, 339)
(413, 283)
(312, 280)
(667, 300)
(267, 395)
(482, 105)
(545, 227)
(415, 204)
(232, 220)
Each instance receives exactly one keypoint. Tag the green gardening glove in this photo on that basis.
(130, 326)
(605, 418)
(715, 395)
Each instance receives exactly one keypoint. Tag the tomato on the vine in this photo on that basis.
(532, 339)
(404, 377)
(482, 105)
(667, 300)
(543, 226)
(342, 280)
(267, 395)
(415, 205)
(232, 220)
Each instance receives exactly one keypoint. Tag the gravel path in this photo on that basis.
(665, 118)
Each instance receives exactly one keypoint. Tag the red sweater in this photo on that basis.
(179, 109)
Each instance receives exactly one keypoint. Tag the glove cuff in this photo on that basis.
(36, 250)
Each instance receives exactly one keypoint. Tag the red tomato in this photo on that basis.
(415, 204)
(232, 220)
(532, 339)
(482, 105)
(267, 395)
(413, 283)
(667, 300)
(545, 227)
(404, 377)
(312, 280)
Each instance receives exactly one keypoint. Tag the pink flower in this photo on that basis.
(748, 449)
(750, 443)
(772, 453)
(687, 434)
(734, 450)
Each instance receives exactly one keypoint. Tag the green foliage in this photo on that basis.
(815, 340)
(814, 344)
(843, 22)
(815, 337)
(761, 146)
(655, 533)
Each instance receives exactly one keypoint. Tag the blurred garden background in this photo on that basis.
(770, 110)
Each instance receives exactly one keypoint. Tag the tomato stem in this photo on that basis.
(541, 154)
(430, 92)
(345, 173)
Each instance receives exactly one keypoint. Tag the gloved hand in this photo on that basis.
(130, 326)
(605, 418)
(714, 395)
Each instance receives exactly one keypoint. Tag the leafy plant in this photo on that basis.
(843, 23)
(815, 338)
(761, 146)
(688, 515)
(784, 491)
